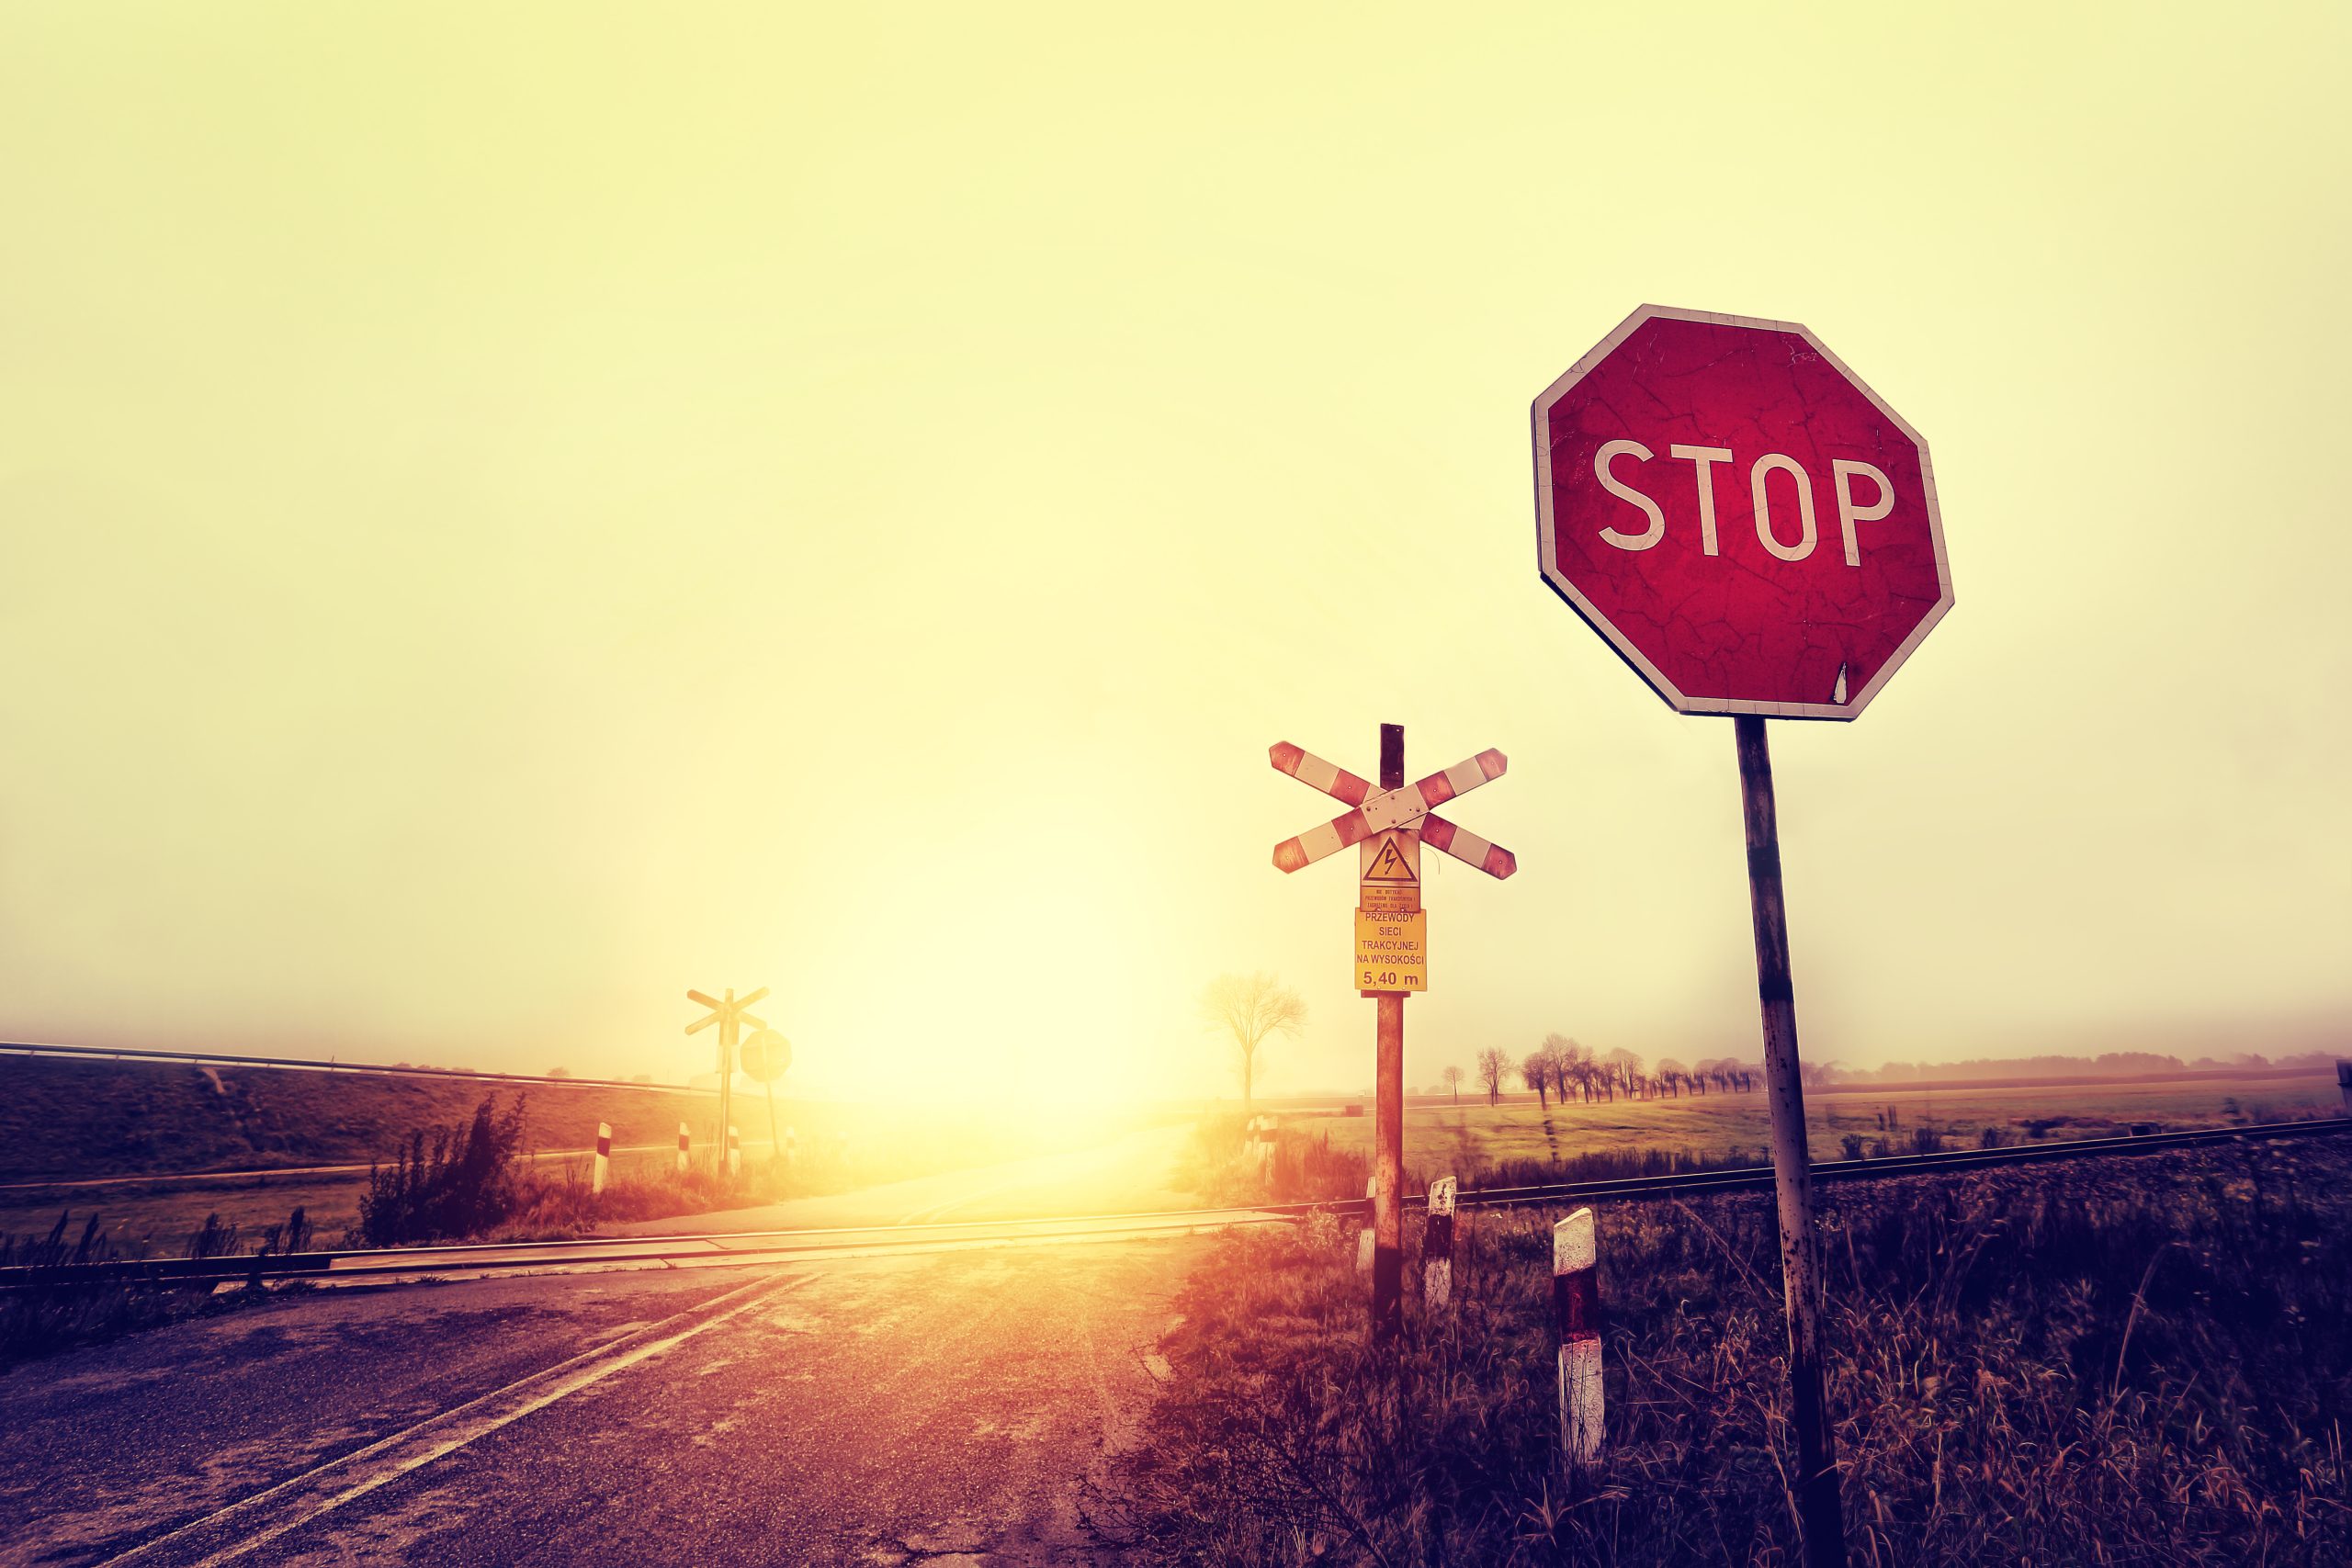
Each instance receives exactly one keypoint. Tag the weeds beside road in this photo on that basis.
(2143, 1361)
(451, 1183)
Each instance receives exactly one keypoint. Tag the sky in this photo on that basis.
(507, 514)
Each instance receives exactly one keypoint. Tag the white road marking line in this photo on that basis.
(331, 1485)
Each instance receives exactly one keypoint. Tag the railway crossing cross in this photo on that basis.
(1388, 824)
(729, 1014)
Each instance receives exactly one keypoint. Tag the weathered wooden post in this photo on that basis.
(1817, 1500)
(1387, 1234)
(1576, 1308)
(1437, 1247)
(604, 1158)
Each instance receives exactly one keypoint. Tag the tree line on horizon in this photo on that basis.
(1562, 1069)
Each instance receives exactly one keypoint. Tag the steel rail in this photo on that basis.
(715, 1246)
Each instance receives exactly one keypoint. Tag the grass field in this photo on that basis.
(64, 1120)
(1472, 1136)
(2136, 1362)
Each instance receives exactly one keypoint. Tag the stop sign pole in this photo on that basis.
(1755, 532)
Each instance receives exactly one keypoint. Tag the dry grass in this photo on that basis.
(2141, 1361)
(1309, 1165)
(1461, 1138)
(43, 1319)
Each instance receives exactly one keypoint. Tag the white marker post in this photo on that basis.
(604, 1157)
(734, 1152)
(683, 1144)
(1576, 1304)
(1364, 1242)
(1437, 1247)
(791, 1145)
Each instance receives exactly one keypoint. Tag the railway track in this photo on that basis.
(734, 1248)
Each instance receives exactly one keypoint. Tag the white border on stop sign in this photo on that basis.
(1557, 580)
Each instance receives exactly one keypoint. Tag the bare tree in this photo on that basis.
(1671, 1073)
(1452, 1076)
(1570, 1063)
(1625, 1069)
(1492, 1066)
(1249, 1008)
(1536, 1073)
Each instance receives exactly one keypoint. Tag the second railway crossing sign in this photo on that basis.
(731, 1013)
(1390, 822)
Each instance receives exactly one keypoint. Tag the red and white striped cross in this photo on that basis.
(1376, 810)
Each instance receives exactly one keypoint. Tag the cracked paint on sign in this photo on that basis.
(1744, 520)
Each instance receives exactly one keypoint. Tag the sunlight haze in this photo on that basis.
(508, 514)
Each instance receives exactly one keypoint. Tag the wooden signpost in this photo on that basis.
(1790, 584)
(729, 1013)
(1389, 823)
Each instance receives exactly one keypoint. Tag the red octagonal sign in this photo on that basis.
(1744, 520)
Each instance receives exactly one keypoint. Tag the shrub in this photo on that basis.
(446, 1183)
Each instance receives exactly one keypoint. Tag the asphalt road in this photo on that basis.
(949, 1407)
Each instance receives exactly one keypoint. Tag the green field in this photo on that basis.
(1470, 1136)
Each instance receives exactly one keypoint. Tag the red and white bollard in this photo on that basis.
(1575, 1302)
(791, 1145)
(1363, 1242)
(734, 1152)
(683, 1142)
(1437, 1247)
(604, 1157)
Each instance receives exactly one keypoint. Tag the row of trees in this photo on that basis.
(1562, 1069)
(1248, 1010)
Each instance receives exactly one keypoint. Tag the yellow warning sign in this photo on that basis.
(1392, 951)
(1388, 863)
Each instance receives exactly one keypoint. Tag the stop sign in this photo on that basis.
(1749, 524)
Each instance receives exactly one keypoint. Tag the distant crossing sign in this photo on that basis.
(731, 1013)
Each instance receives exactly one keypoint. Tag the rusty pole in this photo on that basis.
(1820, 1515)
(1388, 1131)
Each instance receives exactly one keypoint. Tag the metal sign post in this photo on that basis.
(1757, 532)
(729, 1015)
(766, 1055)
(1389, 824)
